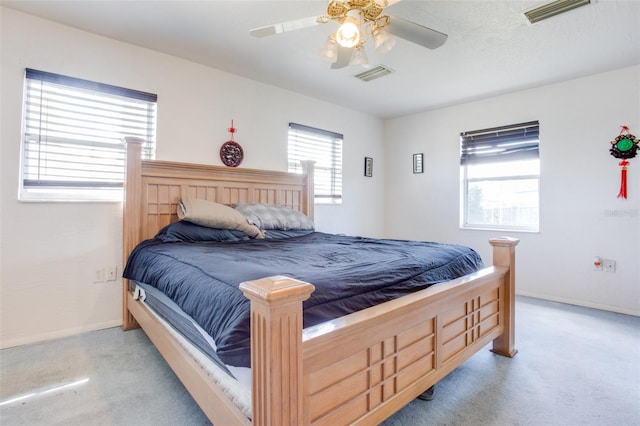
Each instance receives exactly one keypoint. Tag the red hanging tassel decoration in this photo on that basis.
(623, 147)
(623, 179)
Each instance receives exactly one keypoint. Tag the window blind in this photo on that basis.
(325, 149)
(74, 130)
(500, 144)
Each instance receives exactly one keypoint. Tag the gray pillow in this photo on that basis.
(270, 216)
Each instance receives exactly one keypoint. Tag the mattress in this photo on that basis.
(234, 382)
(171, 313)
(349, 273)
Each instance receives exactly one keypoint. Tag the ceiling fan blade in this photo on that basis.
(416, 33)
(283, 27)
(344, 57)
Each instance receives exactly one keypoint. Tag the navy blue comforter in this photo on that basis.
(349, 273)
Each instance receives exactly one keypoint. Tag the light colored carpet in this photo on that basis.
(575, 366)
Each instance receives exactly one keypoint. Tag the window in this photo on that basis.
(72, 147)
(500, 170)
(323, 147)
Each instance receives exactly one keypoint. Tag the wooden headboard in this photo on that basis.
(153, 189)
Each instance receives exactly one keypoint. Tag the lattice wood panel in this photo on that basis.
(161, 202)
(371, 377)
(469, 322)
(161, 198)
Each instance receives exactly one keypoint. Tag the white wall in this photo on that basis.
(581, 215)
(49, 251)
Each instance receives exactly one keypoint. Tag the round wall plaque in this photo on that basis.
(231, 154)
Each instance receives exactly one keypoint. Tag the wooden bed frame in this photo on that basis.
(357, 369)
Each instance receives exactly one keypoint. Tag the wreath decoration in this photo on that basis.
(623, 147)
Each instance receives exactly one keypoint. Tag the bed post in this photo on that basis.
(308, 192)
(504, 254)
(276, 349)
(131, 217)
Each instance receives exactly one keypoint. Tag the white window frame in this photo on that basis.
(325, 149)
(495, 149)
(72, 146)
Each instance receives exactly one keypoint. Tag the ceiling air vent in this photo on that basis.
(553, 9)
(373, 73)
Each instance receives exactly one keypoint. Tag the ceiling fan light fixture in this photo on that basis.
(359, 56)
(382, 41)
(330, 49)
(349, 33)
(359, 21)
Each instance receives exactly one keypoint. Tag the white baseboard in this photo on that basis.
(602, 307)
(37, 338)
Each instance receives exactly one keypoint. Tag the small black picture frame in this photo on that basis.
(368, 166)
(418, 163)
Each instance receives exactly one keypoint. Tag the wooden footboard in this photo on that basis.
(361, 368)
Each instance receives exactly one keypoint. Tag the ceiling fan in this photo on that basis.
(359, 20)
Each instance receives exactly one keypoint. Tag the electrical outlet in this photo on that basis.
(99, 276)
(111, 273)
(609, 265)
(597, 263)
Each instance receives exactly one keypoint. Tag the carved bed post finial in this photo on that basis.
(504, 254)
(276, 349)
(132, 222)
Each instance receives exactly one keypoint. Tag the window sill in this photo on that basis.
(499, 229)
(35, 196)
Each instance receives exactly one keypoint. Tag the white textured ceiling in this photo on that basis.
(492, 48)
